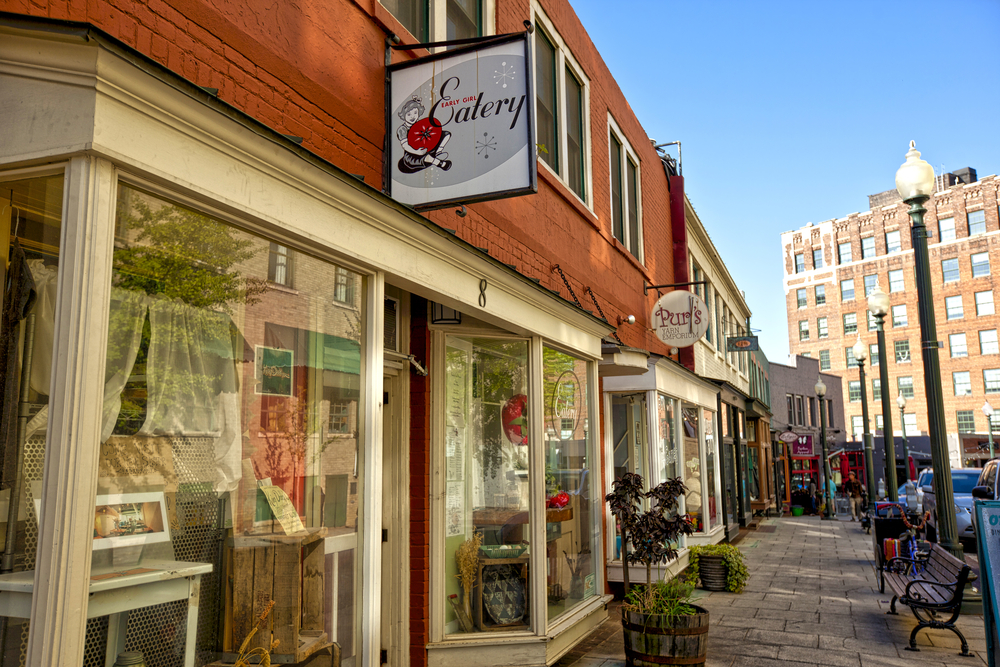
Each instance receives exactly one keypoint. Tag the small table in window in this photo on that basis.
(114, 591)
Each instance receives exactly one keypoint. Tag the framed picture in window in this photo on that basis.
(273, 370)
(130, 519)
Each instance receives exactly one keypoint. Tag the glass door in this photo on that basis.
(628, 428)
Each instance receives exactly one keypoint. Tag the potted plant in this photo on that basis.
(659, 622)
(721, 567)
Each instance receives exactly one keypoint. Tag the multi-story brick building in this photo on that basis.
(830, 267)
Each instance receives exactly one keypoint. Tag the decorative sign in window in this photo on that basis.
(274, 371)
(461, 125)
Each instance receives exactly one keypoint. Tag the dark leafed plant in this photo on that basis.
(652, 533)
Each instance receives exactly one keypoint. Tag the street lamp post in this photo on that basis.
(860, 354)
(901, 402)
(915, 184)
(988, 411)
(825, 464)
(878, 305)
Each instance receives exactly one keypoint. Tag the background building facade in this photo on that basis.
(830, 267)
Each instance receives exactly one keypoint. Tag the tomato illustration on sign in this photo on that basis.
(514, 417)
(425, 133)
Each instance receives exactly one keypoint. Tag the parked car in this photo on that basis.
(986, 485)
(963, 480)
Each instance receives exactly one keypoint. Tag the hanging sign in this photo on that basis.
(741, 344)
(788, 437)
(460, 125)
(803, 446)
(679, 318)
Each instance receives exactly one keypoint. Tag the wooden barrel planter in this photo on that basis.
(654, 639)
(713, 571)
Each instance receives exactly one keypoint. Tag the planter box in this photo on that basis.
(652, 640)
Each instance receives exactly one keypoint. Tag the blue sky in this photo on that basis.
(794, 112)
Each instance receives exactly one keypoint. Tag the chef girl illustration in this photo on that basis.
(422, 139)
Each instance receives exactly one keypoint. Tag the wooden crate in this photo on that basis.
(288, 569)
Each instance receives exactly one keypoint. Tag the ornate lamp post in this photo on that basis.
(915, 184)
(820, 393)
(988, 411)
(901, 402)
(878, 305)
(860, 354)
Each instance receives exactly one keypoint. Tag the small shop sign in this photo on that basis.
(741, 344)
(803, 446)
(679, 318)
(788, 437)
(460, 125)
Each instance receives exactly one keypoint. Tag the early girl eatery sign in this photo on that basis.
(680, 318)
(460, 125)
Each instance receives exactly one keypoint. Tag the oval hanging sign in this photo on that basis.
(679, 318)
(788, 437)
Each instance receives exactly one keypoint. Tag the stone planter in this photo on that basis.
(652, 640)
(712, 570)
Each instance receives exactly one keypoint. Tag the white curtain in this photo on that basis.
(192, 383)
(128, 312)
(44, 310)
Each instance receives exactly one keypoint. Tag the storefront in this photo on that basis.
(735, 431)
(236, 392)
(760, 469)
(662, 424)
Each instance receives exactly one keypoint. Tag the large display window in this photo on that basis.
(30, 226)
(229, 449)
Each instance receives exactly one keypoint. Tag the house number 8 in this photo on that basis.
(482, 293)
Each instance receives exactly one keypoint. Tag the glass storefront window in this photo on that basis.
(708, 423)
(231, 432)
(692, 466)
(569, 528)
(753, 465)
(628, 429)
(30, 224)
(666, 413)
(487, 501)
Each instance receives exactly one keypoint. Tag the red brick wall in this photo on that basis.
(420, 483)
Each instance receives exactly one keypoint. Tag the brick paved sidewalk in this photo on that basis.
(812, 599)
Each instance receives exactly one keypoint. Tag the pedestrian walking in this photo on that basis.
(853, 489)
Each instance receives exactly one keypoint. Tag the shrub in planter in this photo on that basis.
(660, 624)
(708, 562)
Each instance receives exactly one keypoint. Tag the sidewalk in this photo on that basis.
(812, 599)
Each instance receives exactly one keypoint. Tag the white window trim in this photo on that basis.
(564, 59)
(627, 153)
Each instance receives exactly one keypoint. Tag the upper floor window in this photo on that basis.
(873, 354)
(896, 281)
(966, 421)
(892, 242)
(804, 330)
(958, 345)
(824, 360)
(946, 229)
(949, 270)
(624, 192)
(953, 307)
(899, 315)
(868, 247)
(962, 383)
(850, 323)
(791, 409)
(844, 252)
(820, 295)
(817, 258)
(847, 289)
(905, 385)
(871, 282)
(438, 20)
(854, 391)
(800, 263)
(980, 264)
(872, 322)
(977, 222)
(984, 303)
(991, 380)
(988, 342)
(561, 110)
(821, 328)
(800, 297)
(849, 356)
(279, 265)
(902, 348)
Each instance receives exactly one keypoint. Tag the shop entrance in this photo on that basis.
(628, 428)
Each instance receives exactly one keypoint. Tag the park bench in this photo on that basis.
(932, 586)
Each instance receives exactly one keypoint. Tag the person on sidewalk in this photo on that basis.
(852, 487)
(813, 500)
